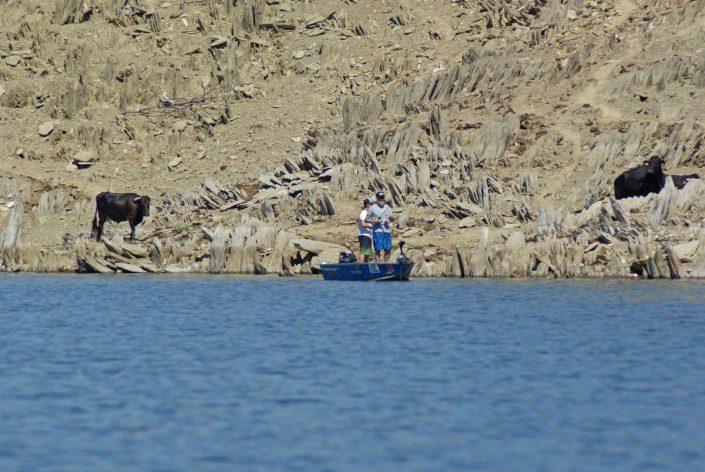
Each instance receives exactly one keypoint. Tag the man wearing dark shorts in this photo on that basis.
(364, 232)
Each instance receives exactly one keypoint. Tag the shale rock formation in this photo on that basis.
(495, 127)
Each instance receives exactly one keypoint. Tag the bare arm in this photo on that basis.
(364, 222)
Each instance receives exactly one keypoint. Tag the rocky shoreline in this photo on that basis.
(632, 238)
(496, 129)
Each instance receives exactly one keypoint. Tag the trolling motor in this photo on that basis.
(346, 257)
(402, 259)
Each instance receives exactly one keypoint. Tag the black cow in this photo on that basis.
(642, 180)
(681, 181)
(119, 207)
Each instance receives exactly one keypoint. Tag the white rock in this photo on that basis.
(175, 269)
(175, 162)
(218, 42)
(691, 195)
(84, 156)
(134, 250)
(515, 241)
(2, 90)
(468, 222)
(10, 204)
(316, 247)
(246, 90)
(129, 268)
(180, 125)
(664, 204)
(470, 208)
(12, 61)
(329, 255)
(46, 128)
(686, 250)
(298, 54)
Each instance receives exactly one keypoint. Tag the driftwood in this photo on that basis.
(91, 264)
(664, 204)
(675, 267)
(129, 268)
(156, 252)
(11, 237)
(698, 270)
(216, 262)
(656, 265)
(172, 107)
(618, 212)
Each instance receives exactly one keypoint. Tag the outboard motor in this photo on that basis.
(346, 257)
(402, 259)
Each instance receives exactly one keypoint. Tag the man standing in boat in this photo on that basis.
(364, 231)
(380, 214)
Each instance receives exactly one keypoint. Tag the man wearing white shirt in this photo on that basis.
(380, 214)
(364, 231)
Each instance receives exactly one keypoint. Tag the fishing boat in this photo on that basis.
(366, 271)
(356, 271)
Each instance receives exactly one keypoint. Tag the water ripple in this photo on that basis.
(213, 373)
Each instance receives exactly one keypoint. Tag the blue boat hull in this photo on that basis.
(363, 272)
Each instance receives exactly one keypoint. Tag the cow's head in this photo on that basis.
(654, 165)
(143, 203)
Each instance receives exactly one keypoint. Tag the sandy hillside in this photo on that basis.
(496, 128)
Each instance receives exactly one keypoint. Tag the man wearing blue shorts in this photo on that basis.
(380, 214)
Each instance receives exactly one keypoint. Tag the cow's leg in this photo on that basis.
(101, 223)
(132, 231)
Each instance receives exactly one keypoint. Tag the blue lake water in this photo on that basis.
(219, 373)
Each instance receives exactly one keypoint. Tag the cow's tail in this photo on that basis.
(94, 228)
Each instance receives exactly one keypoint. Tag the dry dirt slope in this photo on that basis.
(496, 126)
